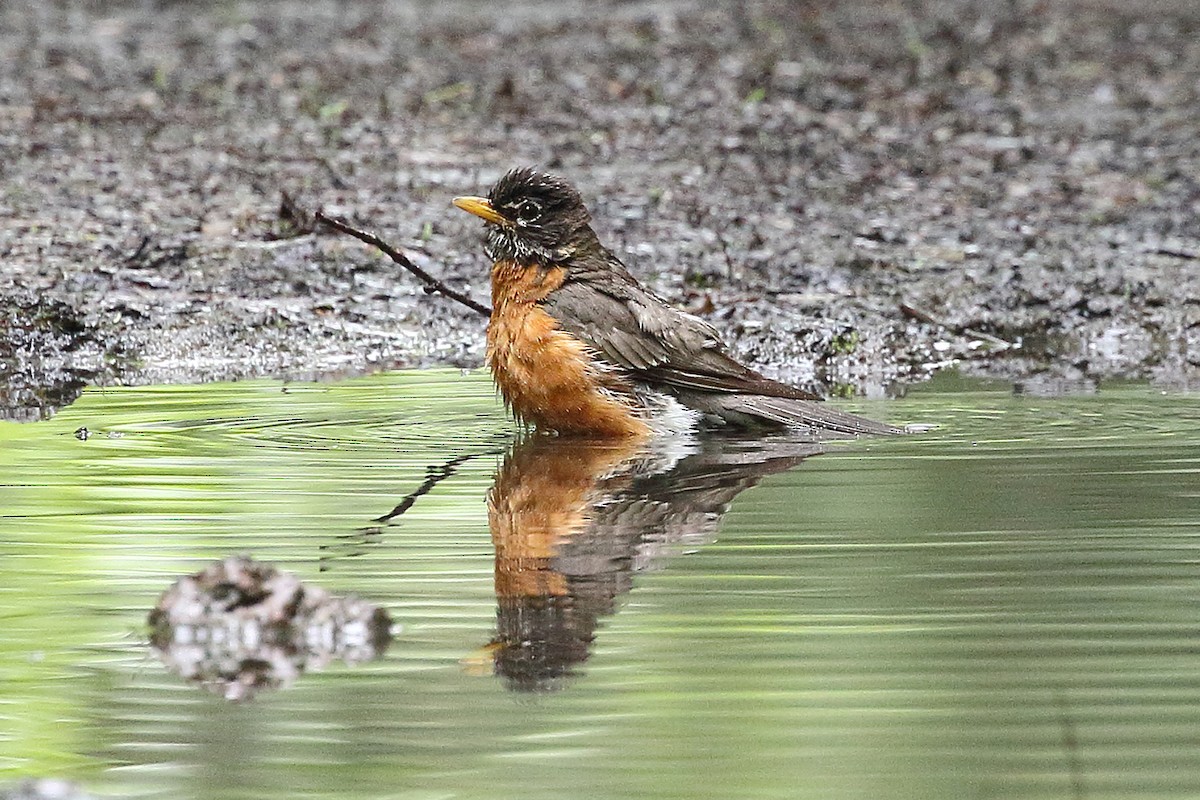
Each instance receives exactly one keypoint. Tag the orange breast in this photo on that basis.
(546, 375)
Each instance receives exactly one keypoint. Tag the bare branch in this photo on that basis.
(432, 284)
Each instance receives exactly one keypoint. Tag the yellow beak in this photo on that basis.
(480, 207)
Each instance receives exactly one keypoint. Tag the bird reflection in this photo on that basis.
(573, 521)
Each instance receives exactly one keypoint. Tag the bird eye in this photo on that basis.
(527, 209)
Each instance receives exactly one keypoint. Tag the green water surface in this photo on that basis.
(1006, 607)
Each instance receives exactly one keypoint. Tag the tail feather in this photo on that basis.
(749, 410)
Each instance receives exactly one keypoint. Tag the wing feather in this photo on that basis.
(634, 329)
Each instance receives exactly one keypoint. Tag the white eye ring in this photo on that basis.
(527, 209)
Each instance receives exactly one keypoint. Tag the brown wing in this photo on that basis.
(632, 328)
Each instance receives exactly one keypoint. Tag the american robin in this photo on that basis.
(576, 345)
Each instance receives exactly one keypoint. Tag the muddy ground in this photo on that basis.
(856, 193)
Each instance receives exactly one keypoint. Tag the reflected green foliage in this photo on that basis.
(1003, 607)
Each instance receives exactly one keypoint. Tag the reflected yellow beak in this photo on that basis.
(481, 662)
(480, 207)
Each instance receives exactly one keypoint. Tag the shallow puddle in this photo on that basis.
(1003, 607)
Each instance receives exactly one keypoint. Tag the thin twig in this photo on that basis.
(921, 315)
(431, 283)
(1178, 252)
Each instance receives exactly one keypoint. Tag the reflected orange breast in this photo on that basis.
(542, 497)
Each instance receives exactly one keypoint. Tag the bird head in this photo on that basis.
(533, 218)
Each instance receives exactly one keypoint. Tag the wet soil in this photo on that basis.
(857, 194)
